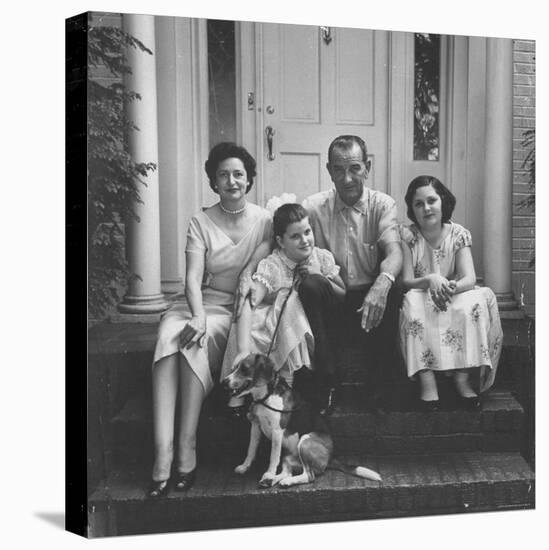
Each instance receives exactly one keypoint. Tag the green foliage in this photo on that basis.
(113, 177)
(426, 96)
(529, 143)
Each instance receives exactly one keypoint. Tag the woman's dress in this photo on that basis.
(468, 334)
(224, 260)
(294, 341)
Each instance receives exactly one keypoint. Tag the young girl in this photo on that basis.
(446, 323)
(294, 259)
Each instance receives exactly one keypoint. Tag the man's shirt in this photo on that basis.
(356, 235)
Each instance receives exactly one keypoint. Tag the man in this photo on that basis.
(359, 226)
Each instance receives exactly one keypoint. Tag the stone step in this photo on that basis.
(125, 351)
(413, 485)
(355, 428)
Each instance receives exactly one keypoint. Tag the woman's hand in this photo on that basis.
(194, 332)
(441, 290)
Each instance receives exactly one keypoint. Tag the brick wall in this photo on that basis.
(524, 97)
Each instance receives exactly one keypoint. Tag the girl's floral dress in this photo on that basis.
(468, 334)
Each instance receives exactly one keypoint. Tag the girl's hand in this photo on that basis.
(193, 333)
(441, 290)
(308, 269)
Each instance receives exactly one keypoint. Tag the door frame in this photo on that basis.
(461, 98)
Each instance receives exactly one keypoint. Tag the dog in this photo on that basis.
(298, 434)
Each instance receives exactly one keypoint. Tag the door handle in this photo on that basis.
(269, 132)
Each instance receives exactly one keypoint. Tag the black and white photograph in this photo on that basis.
(310, 273)
(299, 278)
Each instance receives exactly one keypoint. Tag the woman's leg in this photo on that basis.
(164, 386)
(428, 385)
(463, 384)
(192, 396)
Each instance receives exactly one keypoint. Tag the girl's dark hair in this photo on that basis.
(447, 198)
(285, 215)
(226, 150)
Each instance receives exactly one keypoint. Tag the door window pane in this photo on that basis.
(427, 96)
(221, 80)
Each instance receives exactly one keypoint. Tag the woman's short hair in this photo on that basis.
(446, 196)
(285, 215)
(226, 150)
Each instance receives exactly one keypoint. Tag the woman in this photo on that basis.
(192, 336)
(446, 323)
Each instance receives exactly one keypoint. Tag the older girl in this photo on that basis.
(447, 324)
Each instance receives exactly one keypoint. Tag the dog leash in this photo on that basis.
(263, 399)
(294, 280)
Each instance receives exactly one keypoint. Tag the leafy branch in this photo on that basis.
(113, 177)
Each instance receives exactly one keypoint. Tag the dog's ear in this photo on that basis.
(263, 368)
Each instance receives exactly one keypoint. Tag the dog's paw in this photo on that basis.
(242, 468)
(266, 481)
(286, 482)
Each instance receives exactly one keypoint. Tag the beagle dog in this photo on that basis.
(298, 435)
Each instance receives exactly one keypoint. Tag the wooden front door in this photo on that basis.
(311, 86)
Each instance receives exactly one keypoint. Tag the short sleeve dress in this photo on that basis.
(468, 334)
(294, 343)
(224, 260)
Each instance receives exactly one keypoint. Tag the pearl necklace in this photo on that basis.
(233, 212)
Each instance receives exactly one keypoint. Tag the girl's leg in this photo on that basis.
(463, 384)
(428, 385)
(192, 396)
(164, 386)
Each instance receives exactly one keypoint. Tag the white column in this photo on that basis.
(143, 236)
(498, 190)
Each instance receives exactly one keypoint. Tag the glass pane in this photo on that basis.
(427, 96)
(221, 79)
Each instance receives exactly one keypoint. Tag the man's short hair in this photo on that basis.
(346, 142)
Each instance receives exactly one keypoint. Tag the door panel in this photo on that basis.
(309, 93)
(355, 77)
(299, 86)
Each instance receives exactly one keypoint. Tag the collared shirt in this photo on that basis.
(356, 235)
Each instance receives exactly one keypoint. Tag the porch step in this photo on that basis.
(412, 485)
(356, 430)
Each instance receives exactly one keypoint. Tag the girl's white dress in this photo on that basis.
(224, 260)
(294, 344)
(468, 334)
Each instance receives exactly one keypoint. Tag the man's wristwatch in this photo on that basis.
(389, 276)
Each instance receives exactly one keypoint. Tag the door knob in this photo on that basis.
(269, 132)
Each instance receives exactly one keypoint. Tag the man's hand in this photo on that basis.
(374, 304)
(194, 332)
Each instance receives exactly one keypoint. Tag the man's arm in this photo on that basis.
(375, 301)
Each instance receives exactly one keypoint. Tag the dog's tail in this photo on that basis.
(359, 471)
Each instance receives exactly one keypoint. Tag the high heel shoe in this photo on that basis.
(184, 481)
(469, 403)
(158, 489)
(237, 412)
(428, 406)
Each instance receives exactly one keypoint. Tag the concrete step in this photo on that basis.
(355, 428)
(413, 485)
(126, 349)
